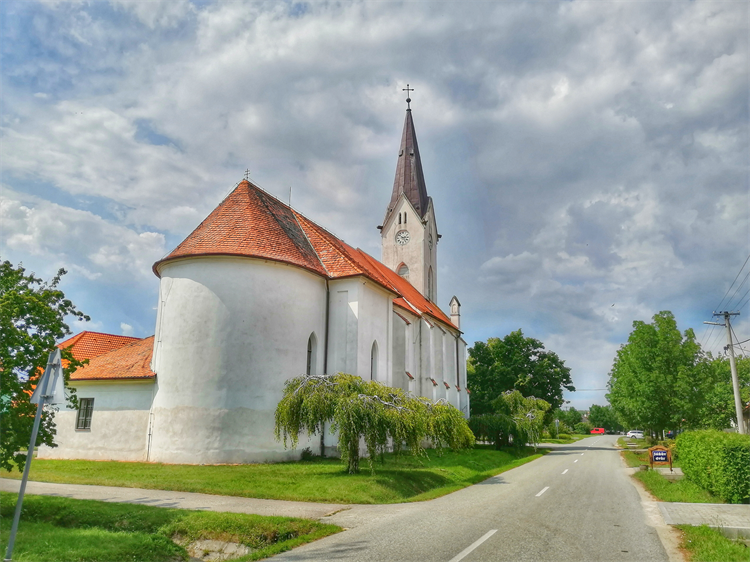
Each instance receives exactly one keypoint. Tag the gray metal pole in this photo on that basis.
(735, 379)
(29, 455)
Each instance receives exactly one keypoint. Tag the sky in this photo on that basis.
(588, 161)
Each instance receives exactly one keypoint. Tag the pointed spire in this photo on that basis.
(409, 176)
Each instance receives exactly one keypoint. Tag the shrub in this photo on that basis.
(718, 462)
(367, 411)
(583, 428)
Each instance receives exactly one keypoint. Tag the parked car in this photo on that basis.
(635, 434)
(598, 430)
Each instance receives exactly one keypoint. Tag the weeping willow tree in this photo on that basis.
(367, 411)
(515, 417)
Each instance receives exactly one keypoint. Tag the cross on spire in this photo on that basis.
(247, 175)
(408, 96)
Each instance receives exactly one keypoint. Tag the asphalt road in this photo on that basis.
(575, 504)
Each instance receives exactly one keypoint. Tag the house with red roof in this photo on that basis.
(255, 295)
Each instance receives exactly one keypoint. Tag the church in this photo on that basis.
(255, 295)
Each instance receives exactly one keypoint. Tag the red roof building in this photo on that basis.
(255, 295)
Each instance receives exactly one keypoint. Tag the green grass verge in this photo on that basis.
(633, 458)
(573, 439)
(56, 528)
(399, 479)
(705, 544)
(684, 490)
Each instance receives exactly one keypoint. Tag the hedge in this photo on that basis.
(718, 462)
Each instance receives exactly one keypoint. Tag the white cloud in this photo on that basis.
(580, 155)
(157, 13)
(126, 329)
(80, 241)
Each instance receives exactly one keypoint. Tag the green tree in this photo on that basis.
(653, 380)
(515, 363)
(604, 416)
(369, 411)
(514, 417)
(569, 417)
(32, 319)
(716, 410)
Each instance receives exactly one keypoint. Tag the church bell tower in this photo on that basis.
(409, 232)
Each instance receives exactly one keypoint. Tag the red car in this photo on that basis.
(598, 430)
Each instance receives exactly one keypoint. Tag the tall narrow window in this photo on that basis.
(429, 285)
(399, 218)
(311, 354)
(85, 409)
(404, 218)
(374, 361)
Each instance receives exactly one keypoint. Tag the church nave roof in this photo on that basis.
(252, 223)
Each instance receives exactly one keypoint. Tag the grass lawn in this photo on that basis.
(665, 490)
(399, 479)
(704, 544)
(633, 458)
(683, 490)
(55, 528)
(563, 440)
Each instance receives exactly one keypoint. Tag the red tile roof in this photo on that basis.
(409, 295)
(252, 223)
(129, 362)
(92, 344)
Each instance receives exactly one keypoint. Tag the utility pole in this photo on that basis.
(733, 365)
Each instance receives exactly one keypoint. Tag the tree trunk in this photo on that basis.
(354, 456)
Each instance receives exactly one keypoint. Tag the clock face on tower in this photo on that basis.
(402, 237)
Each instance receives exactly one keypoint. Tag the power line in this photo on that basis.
(737, 290)
(716, 339)
(733, 282)
(709, 332)
(738, 344)
(739, 307)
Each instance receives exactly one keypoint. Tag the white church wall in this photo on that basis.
(450, 368)
(119, 423)
(232, 331)
(343, 326)
(400, 380)
(375, 317)
(464, 394)
(425, 359)
(438, 336)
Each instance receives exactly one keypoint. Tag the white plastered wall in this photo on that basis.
(230, 332)
(361, 313)
(119, 423)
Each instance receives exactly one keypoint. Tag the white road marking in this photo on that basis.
(564, 471)
(582, 454)
(543, 490)
(461, 555)
(575, 460)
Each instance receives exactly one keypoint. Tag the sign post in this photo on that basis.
(49, 390)
(660, 455)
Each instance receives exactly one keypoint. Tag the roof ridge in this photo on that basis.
(326, 235)
(296, 218)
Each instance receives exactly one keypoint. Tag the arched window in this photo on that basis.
(374, 361)
(404, 218)
(399, 218)
(311, 354)
(403, 271)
